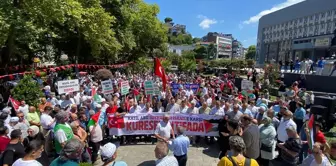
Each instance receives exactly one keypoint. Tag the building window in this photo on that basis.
(322, 15)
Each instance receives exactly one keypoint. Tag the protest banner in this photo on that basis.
(67, 86)
(149, 87)
(246, 85)
(145, 123)
(194, 87)
(124, 87)
(107, 86)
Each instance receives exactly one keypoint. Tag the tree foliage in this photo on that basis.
(101, 31)
(251, 52)
(28, 90)
(168, 20)
(180, 39)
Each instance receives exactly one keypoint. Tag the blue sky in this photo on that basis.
(237, 17)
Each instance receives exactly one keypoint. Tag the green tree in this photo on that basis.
(196, 40)
(28, 90)
(187, 61)
(66, 27)
(201, 52)
(251, 52)
(212, 51)
(168, 20)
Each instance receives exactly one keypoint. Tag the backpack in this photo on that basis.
(4, 152)
(247, 161)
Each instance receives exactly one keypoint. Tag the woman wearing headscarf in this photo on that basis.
(35, 134)
(267, 141)
(70, 154)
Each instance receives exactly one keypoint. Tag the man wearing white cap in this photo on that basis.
(108, 154)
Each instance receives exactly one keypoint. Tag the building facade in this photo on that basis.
(303, 30)
(237, 49)
(178, 49)
(223, 43)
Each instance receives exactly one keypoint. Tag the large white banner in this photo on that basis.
(145, 123)
(68, 86)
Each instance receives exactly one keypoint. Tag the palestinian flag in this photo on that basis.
(311, 129)
(94, 119)
(94, 95)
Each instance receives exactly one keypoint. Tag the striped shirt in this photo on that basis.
(294, 145)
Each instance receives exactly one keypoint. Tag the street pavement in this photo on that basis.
(142, 154)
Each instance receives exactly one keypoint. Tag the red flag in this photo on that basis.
(159, 71)
(15, 103)
(164, 81)
(116, 122)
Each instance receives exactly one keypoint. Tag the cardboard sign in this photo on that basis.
(246, 85)
(68, 86)
(107, 86)
(149, 87)
(124, 87)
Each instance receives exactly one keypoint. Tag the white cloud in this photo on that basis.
(206, 22)
(277, 7)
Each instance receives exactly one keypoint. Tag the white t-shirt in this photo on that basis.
(45, 120)
(135, 109)
(163, 129)
(96, 133)
(60, 135)
(24, 109)
(20, 162)
(325, 162)
(281, 131)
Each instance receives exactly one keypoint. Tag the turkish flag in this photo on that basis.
(15, 103)
(159, 71)
(116, 122)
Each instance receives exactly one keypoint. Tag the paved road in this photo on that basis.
(143, 155)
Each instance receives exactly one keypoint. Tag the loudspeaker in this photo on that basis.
(328, 102)
(319, 110)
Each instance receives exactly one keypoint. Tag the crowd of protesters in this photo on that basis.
(254, 130)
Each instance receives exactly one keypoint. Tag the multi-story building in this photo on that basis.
(178, 49)
(223, 43)
(237, 49)
(303, 30)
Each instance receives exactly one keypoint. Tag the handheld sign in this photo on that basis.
(246, 85)
(149, 87)
(107, 87)
(68, 86)
(124, 87)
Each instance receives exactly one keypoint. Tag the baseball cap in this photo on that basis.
(14, 119)
(98, 105)
(107, 151)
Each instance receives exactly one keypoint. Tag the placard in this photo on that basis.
(246, 85)
(68, 86)
(124, 87)
(149, 87)
(107, 87)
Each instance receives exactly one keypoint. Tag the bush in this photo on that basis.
(28, 90)
(103, 74)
